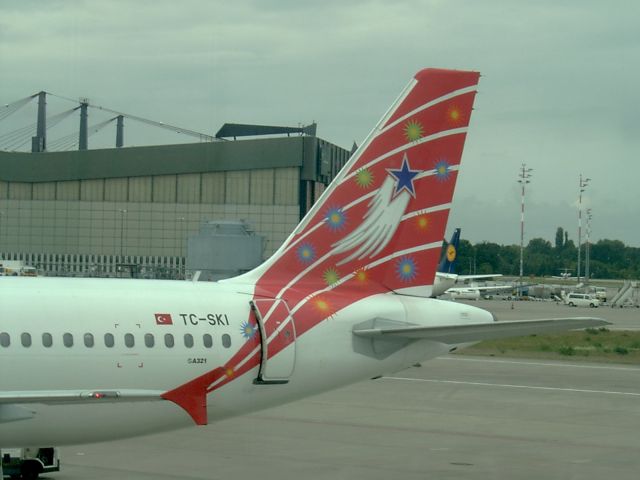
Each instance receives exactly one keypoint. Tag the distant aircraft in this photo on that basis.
(464, 293)
(342, 300)
(446, 278)
(565, 274)
(474, 292)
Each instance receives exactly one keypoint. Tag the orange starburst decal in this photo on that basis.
(323, 306)
(361, 276)
(229, 372)
(454, 115)
(422, 222)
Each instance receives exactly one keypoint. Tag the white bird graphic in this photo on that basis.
(381, 221)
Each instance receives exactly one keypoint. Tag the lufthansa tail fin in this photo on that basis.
(449, 258)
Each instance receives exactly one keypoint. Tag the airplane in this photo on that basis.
(474, 292)
(344, 299)
(565, 274)
(446, 278)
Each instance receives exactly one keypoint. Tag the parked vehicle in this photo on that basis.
(581, 300)
(28, 463)
(14, 268)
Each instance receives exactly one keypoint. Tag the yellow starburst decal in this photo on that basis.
(413, 130)
(229, 372)
(364, 178)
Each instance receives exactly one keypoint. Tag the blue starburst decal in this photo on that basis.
(404, 177)
(406, 269)
(442, 170)
(306, 253)
(248, 330)
(335, 218)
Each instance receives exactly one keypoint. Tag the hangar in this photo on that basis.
(97, 212)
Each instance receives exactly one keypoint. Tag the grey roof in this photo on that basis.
(159, 160)
(247, 130)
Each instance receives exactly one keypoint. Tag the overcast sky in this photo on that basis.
(560, 86)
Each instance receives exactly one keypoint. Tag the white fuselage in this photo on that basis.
(465, 293)
(36, 310)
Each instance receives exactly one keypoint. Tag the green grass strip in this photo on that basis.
(595, 345)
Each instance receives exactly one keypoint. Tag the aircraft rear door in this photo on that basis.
(277, 339)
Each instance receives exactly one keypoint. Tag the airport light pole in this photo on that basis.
(587, 247)
(1, 256)
(582, 186)
(123, 213)
(523, 179)
(181, 256)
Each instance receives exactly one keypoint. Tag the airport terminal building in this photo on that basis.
(99, 212)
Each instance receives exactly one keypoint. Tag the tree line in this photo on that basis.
(608, 258)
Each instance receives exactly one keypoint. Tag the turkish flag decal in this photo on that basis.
(164, 319)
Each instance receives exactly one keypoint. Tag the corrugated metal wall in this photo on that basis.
(140, 189)
(189, 188)
(237, 188)
(144, 215)
(115, 189)
(91, 190)
(213, 185)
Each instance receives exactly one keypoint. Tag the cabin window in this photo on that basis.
(67, 340)
(88, 340)
(226, 340)
(207, 340)
(25, 339)
(5, 339)
(168, 340)
(47, 340)
(188, 340)
(129, 340)
(149, 340)
(109, 341)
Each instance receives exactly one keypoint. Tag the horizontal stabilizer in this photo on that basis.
(78, 396)
(455, 334)
(479, 277)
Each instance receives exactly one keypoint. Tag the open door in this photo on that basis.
(277, 340)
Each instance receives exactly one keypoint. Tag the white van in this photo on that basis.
(581, 300)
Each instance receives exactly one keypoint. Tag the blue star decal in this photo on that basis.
(442, 170)
(306, 253)
(406, 269)
(335, 218)
(248, 330)
(404, 177)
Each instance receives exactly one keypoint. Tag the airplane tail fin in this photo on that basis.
(378, 226)
(449, 258)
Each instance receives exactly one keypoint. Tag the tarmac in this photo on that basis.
(453, 418)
